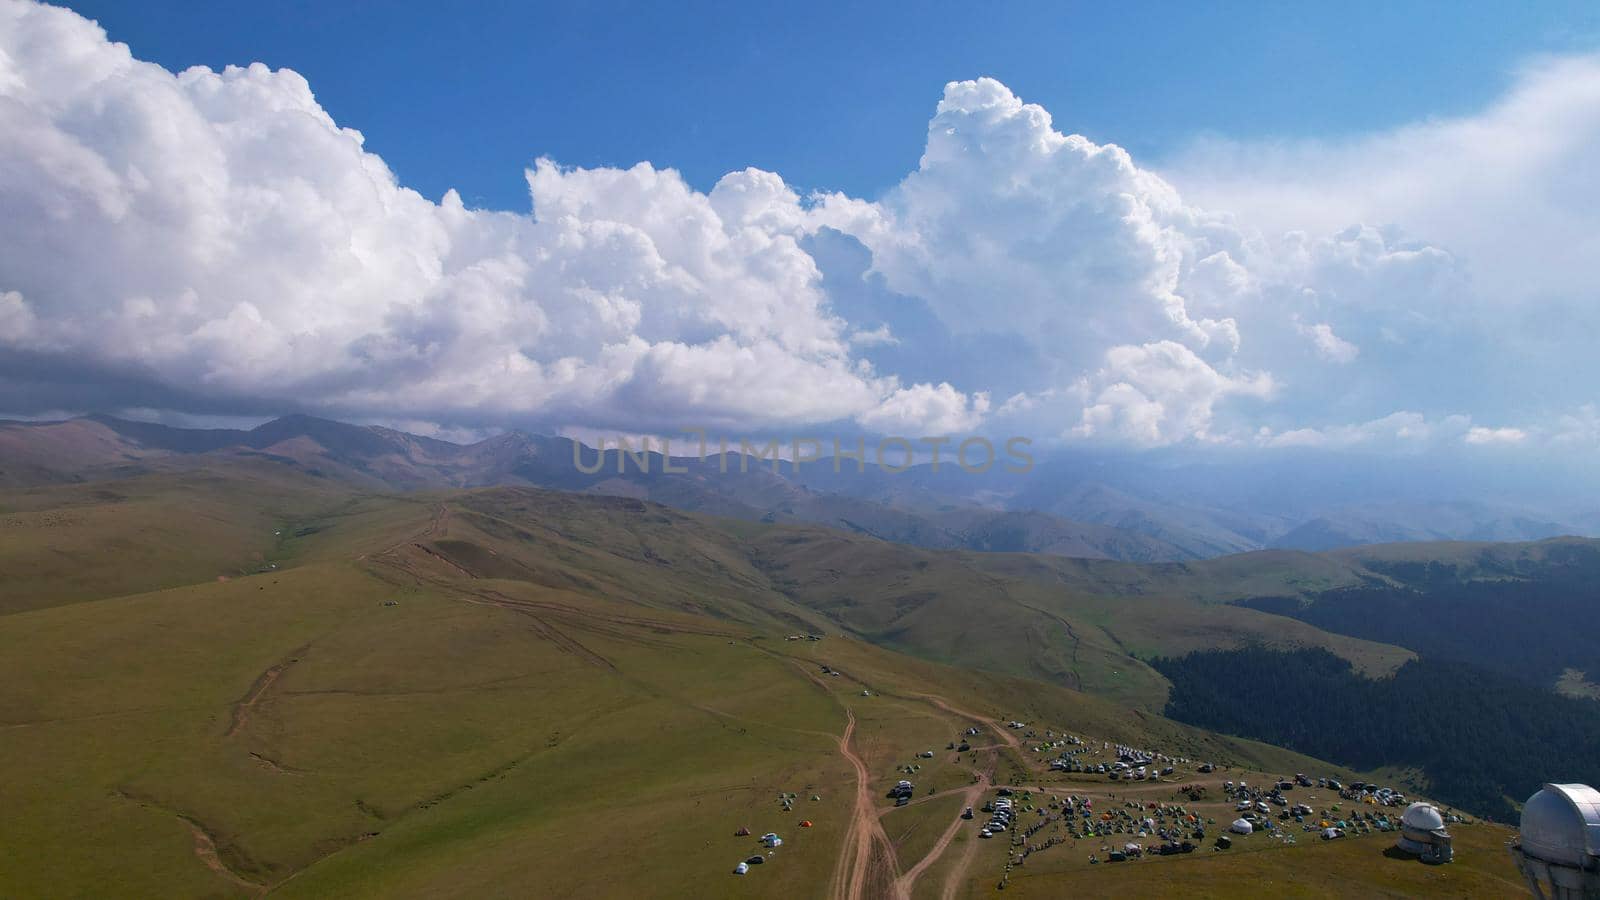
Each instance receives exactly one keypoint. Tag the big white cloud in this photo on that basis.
(216, 238)
(218, 233)
(1007, 224)
(1159, 393)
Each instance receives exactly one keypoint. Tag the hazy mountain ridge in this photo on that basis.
(1073, 503)
(372, 456)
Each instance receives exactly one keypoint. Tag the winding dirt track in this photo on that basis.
(868, 856)
(957, 875)
(904, 884)
(867, 864)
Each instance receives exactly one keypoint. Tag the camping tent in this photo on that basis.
(1242, 826)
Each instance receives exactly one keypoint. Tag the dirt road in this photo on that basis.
(970, 797)
(957, 875)
(867, 859)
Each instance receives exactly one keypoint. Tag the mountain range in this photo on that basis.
(1076, 504)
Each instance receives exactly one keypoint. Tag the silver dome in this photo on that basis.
(1561, 824)
(1422, 817)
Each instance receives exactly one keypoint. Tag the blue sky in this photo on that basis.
(836, 95)
(1251, 226)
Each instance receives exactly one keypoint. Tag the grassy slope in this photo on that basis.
(489, 736)
(436, 725)
(1071, 622)
(66, 543)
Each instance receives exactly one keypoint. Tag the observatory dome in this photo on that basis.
(1561, 824)
(1422, 817)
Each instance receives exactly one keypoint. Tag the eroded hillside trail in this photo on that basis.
(258, 690)
(207, 848)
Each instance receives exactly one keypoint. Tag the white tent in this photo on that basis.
(1242, 826)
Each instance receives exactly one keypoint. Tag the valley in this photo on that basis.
(369, 693)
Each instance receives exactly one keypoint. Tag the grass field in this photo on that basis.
(507, 693)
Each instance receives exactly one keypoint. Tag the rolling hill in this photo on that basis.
(510, 690)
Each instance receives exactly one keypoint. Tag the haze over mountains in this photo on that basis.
(1079, 504)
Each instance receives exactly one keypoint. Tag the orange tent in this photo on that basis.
(806, 824)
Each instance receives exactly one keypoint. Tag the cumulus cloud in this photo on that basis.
(1008, 224)
(216, 241)
(218, 232)
(1491, 290)
(1510, 186)
(1404, 431)
(17, 321)
(927, 409)
(1480, 435)
(1578, 429)
(1159, 393)
(876, 337)
(1329, 345)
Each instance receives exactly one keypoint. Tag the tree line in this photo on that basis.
(1483, 739)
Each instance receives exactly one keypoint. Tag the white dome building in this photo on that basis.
(1559, 850)
(1423, 834)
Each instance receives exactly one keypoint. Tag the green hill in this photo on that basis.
(513, 692)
